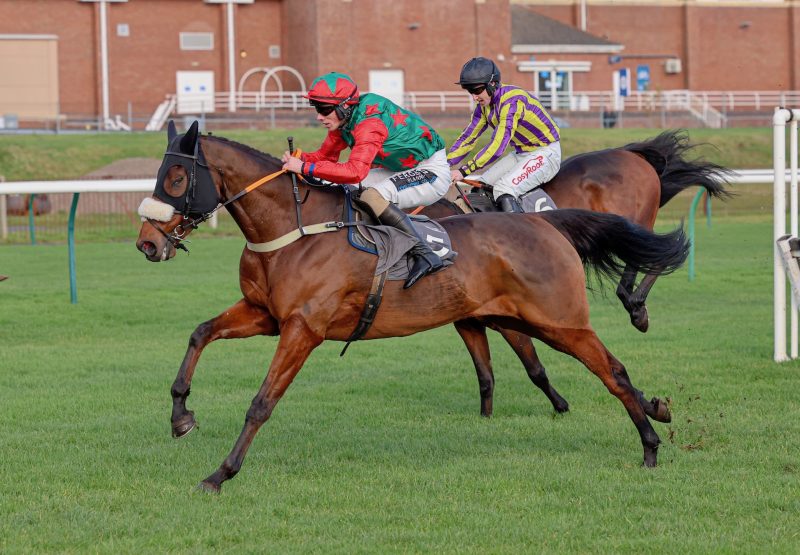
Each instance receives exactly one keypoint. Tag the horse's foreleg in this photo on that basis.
(655, 408)
(523, 346)
(587, 347)
(474, 335)
(241, 320)
(295, 344)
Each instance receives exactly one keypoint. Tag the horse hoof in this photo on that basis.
(662, 412)
(640, 319)
(183, 425)
(208, 487)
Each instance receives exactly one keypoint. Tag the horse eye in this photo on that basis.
(177, 187)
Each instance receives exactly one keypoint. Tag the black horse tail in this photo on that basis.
(608, 243)
(667, 154)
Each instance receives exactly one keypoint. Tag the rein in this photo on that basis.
(175, 238)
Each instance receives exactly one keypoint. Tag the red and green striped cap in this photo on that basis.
(333, 88)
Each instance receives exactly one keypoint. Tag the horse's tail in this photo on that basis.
(667, 154)
(608, 242)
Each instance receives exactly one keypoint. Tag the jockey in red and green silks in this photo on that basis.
(517, 118)
(398, 158)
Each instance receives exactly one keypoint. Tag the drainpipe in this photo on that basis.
(104, 58)
(583, 15)
(231, 60)
(104, 54)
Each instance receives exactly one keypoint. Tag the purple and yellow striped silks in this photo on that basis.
(516, 116)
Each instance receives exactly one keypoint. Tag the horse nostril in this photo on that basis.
(148, 248)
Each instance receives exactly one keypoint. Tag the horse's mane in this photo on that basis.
(248, 150)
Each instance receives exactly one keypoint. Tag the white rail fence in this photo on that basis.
(709, 106)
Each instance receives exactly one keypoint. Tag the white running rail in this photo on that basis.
(780, 119)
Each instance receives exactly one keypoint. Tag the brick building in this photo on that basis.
(92, 58)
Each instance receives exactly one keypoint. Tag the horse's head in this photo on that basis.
(185, 195)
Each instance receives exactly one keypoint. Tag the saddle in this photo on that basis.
(481, 199)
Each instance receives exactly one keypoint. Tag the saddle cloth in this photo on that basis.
(392, 245)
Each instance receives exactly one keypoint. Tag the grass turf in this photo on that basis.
(383, 450)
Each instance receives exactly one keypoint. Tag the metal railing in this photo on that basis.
(679, 99)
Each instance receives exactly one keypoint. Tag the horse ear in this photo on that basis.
(189, 139)
(171, 132)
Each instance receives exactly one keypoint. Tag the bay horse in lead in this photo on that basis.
(313, 289)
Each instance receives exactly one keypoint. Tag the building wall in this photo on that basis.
(722, 46)
(429, 41)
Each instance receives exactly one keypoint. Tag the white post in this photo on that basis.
(3, 213)
(778, 230)
(780, 118)
(793, 224)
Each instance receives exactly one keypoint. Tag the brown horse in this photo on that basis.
(633, 181)
(313, 288)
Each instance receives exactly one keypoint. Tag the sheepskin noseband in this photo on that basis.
(156, 210)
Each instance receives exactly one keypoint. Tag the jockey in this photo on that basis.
(517, 118)
(398, 158)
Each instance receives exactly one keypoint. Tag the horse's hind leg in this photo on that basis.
(474, 335)
(638, 299)
(587, 347)
(295, 344)
(523, 346)
(241, 320)
(633, 301)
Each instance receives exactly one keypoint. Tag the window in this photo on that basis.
(197, 41)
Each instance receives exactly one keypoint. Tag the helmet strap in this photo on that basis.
(343, 110)
(490, 87)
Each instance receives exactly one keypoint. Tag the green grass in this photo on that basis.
(383, 450)
(38, 157)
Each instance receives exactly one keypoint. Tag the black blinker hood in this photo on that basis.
(184, 150)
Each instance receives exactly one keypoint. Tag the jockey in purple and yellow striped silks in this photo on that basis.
(518, 118)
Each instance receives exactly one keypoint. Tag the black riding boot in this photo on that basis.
(507, 203)
(425, 260)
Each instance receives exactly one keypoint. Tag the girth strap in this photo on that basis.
(369, 311)
(293, 236)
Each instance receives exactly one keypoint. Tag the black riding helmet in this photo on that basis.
(480, 71)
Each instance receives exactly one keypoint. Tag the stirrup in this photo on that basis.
(507, 203)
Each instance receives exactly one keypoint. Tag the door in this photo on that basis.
(388, 83)
(194, 91)
(28, 76)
